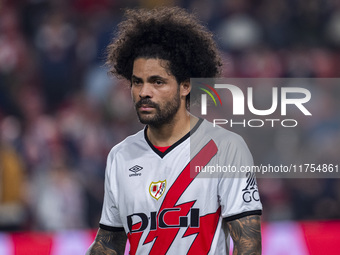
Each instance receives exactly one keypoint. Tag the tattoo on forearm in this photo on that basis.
(246, 234)
(108, 243)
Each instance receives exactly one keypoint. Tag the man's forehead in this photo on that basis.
(150, 67)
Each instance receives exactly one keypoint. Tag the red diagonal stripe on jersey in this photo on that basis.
(165, 237)
(205, 233)
(134, 238)
(182, 182)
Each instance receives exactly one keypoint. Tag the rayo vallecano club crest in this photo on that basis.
(157, 189)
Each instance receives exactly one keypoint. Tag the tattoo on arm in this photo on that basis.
(108, 242)
(246, 235)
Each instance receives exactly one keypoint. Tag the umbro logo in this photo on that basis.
(135, 169)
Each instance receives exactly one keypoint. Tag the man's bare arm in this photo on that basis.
(108, 243)
(246, 235)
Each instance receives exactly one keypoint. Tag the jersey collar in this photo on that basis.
(162, 154)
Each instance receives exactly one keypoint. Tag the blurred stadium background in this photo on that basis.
(60, 114)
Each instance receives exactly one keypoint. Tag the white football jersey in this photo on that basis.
(164, 205)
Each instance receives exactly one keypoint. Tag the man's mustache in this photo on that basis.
(146, 101)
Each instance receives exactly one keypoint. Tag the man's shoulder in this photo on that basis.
(231, 147)
(219, 134)
(227, 142)
(128, 143)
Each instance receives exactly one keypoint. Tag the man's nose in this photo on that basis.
(146, 90)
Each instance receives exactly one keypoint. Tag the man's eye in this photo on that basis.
(159, 82)
(136, 82)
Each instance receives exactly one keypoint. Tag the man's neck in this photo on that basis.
(168, 134)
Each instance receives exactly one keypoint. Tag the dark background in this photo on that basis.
(60, 113)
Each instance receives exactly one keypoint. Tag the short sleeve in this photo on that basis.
(238, 191)
(110, 217)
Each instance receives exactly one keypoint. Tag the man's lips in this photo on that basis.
(146, 107)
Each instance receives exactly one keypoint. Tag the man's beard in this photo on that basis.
(164, 114)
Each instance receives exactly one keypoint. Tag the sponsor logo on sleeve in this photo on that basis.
(250, 192)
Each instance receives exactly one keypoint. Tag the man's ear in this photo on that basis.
(185, 88)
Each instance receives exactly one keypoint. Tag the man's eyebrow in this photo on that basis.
(156, 77)
(136, 78)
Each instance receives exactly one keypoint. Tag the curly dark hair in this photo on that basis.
(168, 33)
